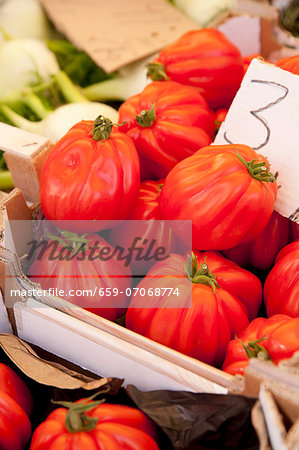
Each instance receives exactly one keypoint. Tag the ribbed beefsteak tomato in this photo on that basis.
(167, 122)
(281, 289)
(227, 192)
(144, 230)
(261, 251)
(276, 338)
(290, 63)
(15, 406)
(205, 59)
(237, 281)
(92, 278)
(92, 173)
(95, 427)
(161, 309)
(14, 386)
(15, 427)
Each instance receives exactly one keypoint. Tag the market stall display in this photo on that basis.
(195, 143)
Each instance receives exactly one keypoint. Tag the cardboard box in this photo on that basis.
(74, 334)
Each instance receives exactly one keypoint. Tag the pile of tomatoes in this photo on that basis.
(87, 423)
(158, 165)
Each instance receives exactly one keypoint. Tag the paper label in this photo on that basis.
(117, 32)
(265, 116)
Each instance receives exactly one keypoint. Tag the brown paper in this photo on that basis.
(117, 32)
(46, 372)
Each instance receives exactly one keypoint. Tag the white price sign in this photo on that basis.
(265, 116)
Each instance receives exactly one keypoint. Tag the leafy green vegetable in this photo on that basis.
(290, 17)
(77, 64)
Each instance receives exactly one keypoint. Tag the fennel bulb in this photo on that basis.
(131, 80)
(25, 62)
(58, 122)
(203, 12)
(24, 19)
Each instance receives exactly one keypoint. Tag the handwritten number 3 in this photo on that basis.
(256, 112)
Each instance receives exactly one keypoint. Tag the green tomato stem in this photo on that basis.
(201, 274)
(156, 71)
(259, 171)
(76, 418)
(254, 350)
(102, 128)
(147, 117)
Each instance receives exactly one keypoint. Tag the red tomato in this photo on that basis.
(147, 206)
(167, 122)
(220, 116)
(205, 59)
(14, 386)
(261, 251)
(93, 279)
(294, 230)
(15, 427)
(276, 338)
(239, 282)
(290, 63)
(116, 427)
(90, 175)
(184, 314)
(152, 237)
(281, 289)
(224, 195)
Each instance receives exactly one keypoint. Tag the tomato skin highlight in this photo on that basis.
(207, 60)
(87, 180)
(118, 427)
(239, 282)
(214, 189)
(183, 123)
(281, 289)
(15, 426)
(15, 387)
(281, 340)
(202, 330)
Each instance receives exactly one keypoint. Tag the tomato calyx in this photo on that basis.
(259, 171)
(76, 418)
(102, 128)
(201, 274)
(160, 187)
(156, 71)
(254, 350)
(68, 239)
(147, 117)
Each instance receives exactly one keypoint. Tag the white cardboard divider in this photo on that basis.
(244, 31)
(103, 353)
(273, 420)
(265, 116)
(20, 142)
